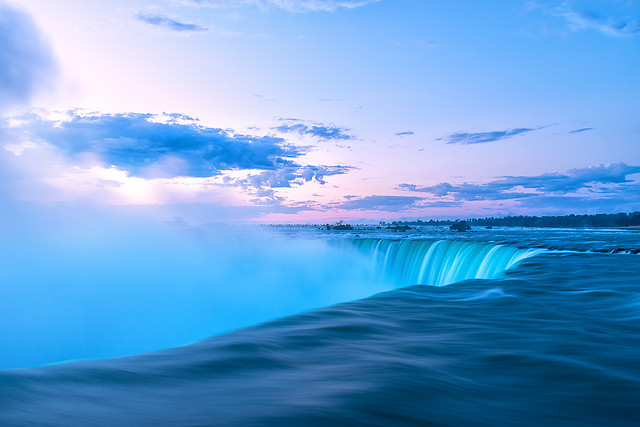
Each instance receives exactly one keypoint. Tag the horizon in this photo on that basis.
(417, 219)
(308, 111)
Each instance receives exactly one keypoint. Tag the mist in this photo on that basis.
(82, 282)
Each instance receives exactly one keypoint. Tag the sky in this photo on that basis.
(312, 111)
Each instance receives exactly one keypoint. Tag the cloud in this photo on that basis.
(26, 63)
(595, 180)
(405, 133)
(262, 184)
(580, 130)
(316, 130)
(298, 6)
(378, 203)
(293, 175)
(574, 179)
(623, 202)
(617, 22)
(147, 159)
(605, 24)
(466, 138)
(145, 147)
(467, 192)
(167, 23)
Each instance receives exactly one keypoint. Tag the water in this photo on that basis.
(438, 262)
(547, 330)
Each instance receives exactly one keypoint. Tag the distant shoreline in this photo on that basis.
(618, 220)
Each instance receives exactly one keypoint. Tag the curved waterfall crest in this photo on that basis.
(439, 262)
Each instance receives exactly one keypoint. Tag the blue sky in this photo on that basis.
(319, 110)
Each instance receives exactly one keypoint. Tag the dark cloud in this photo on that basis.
(580, 130)
(626, 201)
(548, 185)
(378, 203)
(574, 179)
(316, 130)
(26, 63)
(467, 192)
(482, 137)
(405, 133)
(144, 147)
(441, 204)
(170, 24)
(295, 175)
(262, 184)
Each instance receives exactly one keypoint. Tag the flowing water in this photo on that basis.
(439, 262)
(499, 327)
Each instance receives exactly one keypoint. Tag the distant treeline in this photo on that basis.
(565, 221)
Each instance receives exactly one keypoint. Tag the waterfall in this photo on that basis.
(440, 262)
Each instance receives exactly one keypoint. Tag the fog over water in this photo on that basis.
(82, 284)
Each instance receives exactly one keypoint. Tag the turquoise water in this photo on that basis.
(438, 262)
(499, 327)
